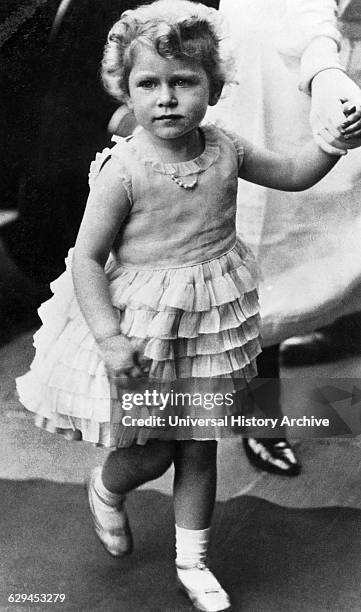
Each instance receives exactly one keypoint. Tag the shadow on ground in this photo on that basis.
(269, 557)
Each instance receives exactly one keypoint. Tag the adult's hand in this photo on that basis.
(335, 111)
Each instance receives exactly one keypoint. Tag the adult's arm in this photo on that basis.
(305, 20)
(310, 33)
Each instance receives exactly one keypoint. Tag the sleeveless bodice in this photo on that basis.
(169, 226)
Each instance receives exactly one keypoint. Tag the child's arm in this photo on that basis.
(106, 209)
(286, 173)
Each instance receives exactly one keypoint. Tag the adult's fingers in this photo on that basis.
(322, 125)
(326, 140)
(331, 122)
(327, 147)
(330, 114)
(335, 141)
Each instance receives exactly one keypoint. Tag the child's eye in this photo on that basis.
(147, 84)
(181, 83)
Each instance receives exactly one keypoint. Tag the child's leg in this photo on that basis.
(124, 469)
(194, 496)
(195, 482)
(128, 468)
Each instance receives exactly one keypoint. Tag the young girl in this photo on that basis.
(164, 289)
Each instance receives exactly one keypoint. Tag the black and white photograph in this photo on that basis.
(180, 305)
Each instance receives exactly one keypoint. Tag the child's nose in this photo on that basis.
(167, 96)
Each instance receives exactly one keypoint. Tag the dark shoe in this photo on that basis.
(329, 343)
(309, 349)
(273, 455)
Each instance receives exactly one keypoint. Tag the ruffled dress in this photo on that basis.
(185, 288)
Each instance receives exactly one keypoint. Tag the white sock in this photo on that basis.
(109, 498)
(191, 546)
(201, 586)
(107, 505)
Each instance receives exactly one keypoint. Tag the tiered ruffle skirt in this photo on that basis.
(198, 327)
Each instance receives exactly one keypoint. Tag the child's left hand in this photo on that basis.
(333, 94)
(351, 127)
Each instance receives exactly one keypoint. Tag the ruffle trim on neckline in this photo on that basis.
(193, 166)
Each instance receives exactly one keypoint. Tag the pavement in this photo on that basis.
(279, 543)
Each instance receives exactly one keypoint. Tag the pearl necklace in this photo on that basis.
(180, 183)
(174, 177)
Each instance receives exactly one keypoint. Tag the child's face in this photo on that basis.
(169, 97)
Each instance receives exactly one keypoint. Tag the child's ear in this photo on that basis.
(215, 95)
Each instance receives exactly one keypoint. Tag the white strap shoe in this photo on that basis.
(110, 522)
(203, 589)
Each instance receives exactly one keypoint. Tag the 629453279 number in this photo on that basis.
(36, 597)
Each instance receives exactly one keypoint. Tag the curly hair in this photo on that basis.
(175, 29)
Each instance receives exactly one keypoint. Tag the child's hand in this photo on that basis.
(351, 127)
(331, 90)
(122, 360)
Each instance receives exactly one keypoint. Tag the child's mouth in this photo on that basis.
(168, 118)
